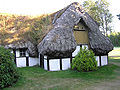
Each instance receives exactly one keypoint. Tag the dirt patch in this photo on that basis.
(112, 85)
(108, 85)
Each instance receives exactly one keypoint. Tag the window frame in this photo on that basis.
(22, 52)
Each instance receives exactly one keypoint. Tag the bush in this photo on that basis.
(84, 61)
(115, 38)
(8, 71)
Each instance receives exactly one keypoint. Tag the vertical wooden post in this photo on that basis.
(60, 63)
(100, 60)
(14, 51)
(107, 59)
(48, 67)
(71, 60)
(27, 61)
(81, 45)
(41, 61)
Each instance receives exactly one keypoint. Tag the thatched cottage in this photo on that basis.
(72, 28)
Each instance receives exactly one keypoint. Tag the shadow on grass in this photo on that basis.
(36, 77)
(105, 72)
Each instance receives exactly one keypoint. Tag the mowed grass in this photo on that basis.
(115, 52)
(105, 78)
(35, 78)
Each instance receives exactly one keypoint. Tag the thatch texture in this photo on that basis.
(99, 43)
(60, 41)
(56, 33)
(24, 31)
(31, 48)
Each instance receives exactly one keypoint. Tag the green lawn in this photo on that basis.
(35, 78)
(115, 52)
(105, 78)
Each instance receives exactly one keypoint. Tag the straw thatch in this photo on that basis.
(60, 41)
(31, 48)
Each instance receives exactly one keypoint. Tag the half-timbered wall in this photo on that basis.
(24, 60)
(81, 37)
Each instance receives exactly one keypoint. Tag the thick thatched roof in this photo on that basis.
(31, 48)
(60, 41)
(24, 31)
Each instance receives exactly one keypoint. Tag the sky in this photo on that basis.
(37, 7)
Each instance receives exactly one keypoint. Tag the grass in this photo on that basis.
(35, 78)
(115, 52)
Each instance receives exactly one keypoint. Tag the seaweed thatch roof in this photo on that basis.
(60, 41)
(52, 34)
(24, 31)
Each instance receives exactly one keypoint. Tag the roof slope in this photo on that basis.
(24, 31)
(60, 41)
(99, 43)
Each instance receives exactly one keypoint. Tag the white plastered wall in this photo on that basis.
(76, 51)
(33, 61)
(39, 60)
(17, 53)
(65, 63)
(45, 64)
(97, 59)
(104, 60)
(21, 62)
(54, 64)
(83, 46)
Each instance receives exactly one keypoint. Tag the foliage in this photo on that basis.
(100, 13)
(38, 29)
(118, 16)
(8, 70)
(11, 26)
(37, 78)
(84, 61)
(21, 28)
(115, 38)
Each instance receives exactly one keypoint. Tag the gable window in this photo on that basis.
(22, 52)
(81, 33)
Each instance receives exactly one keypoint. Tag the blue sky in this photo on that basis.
(37, 7)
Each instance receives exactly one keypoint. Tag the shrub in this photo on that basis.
(84, 61)
(115, 38)
(8, 71)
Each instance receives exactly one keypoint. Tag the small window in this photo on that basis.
(22, 52)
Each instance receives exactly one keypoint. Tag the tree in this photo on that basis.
(99, 12)
(118, 16)
(9, 73)
(115, 38)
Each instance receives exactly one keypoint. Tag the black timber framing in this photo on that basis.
(107, 59)
(48, 66)
(27, 61)
(81, 45)
(41, 61)
(14, 51)
(71, 58)
(60, 59)
(60, 63)
(100, 60)
(79, 30)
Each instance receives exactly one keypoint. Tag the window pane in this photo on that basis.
(22, 52)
